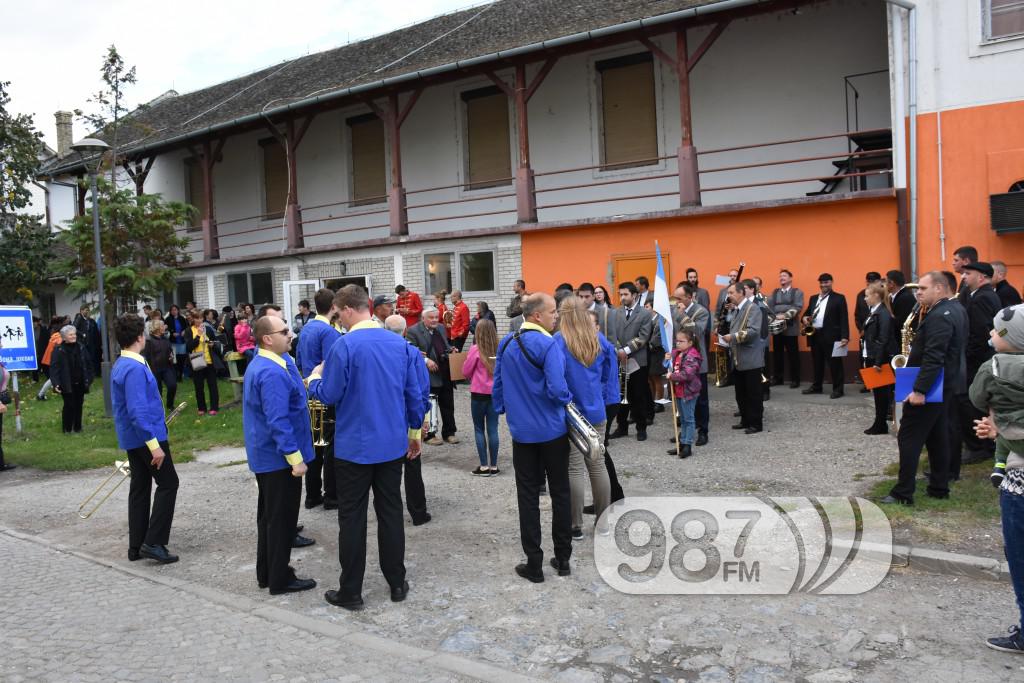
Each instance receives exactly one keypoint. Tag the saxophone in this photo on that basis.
(906, 339)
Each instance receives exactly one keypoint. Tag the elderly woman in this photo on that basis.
(71, 373)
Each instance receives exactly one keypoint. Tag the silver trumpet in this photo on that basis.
(582, 433)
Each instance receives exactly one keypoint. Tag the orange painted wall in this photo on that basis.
(983, 154)
(845, 238)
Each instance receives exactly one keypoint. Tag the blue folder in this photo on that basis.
(905, 378)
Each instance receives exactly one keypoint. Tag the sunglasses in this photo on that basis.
(283, 332)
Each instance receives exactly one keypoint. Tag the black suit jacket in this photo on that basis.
(982, 306)
(902, 305)
(836, 323)
(938, 345)
(1008, 295)
(860, 311)
(419, 336)
(878, 338)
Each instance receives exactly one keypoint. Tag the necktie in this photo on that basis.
(629, 312)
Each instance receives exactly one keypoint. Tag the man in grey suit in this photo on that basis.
(430, 338)
(786, 302)
(747, 345)
(702, 296)
(630, 327)
(691, 314)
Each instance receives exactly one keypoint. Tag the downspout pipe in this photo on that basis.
(912, 114)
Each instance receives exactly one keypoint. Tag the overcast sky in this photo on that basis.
(52, 52)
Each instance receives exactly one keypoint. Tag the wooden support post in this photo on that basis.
(393, 118)
(139, 173)
(293, 218)
(209, 156)
(526, 197)
(689, 178)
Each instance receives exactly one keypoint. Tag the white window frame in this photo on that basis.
(979, 45)
(457, 270)
(986, 25)
(233, 297)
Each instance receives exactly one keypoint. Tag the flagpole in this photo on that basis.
(675, 414)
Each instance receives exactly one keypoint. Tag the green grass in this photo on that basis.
(42, 445)
(972, 501)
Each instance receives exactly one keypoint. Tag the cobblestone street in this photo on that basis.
(67, 618)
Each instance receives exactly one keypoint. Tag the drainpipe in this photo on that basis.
(912, 113)
(942, 213)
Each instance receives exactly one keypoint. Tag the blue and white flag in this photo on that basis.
(662, 306)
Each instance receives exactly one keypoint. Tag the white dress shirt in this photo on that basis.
(819, 319)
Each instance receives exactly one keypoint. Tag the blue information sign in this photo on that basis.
(17, 338)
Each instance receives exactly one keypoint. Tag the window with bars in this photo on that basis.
(369, 166)
(1002, 18)
(195, 191)
(275, 178)
(629, 120)
(488, 150)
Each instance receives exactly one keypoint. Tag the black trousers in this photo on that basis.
(71, 413)
(209, 376)
(533, 462)
(354, 483)
(459, 342)
(702, 411)
(320, 484)
(169, 377)
(640, 403)
(610, 412)
(821, 354)
(923, 427)
(968, 440)
(146, 526)
(446, 405)
(277, 513)
(786, 350)
(415, 493)
(749, 397)
(883, 400)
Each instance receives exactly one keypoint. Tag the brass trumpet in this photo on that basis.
(122, 467)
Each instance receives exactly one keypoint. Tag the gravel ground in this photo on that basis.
(466, 599)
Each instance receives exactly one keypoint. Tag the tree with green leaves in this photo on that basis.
(142, 252)
(20, 148)
(26, 247)
(109, 101)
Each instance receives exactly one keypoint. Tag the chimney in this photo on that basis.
(64, 133)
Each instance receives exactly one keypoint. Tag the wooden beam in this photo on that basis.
(410, 103)
(708, 42)
(502, 85)
(541, 75)
(275, 132)
(303, 127)
(657, 51)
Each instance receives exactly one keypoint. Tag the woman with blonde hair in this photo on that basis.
(479, 371)
(878, 345)
(589, 369)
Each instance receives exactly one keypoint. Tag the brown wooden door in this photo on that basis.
(631, 266)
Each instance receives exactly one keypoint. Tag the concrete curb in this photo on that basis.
(343, 632)
(933, 561)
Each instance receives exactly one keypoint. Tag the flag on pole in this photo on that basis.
(662, 306)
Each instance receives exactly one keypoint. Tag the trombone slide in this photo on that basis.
(120, 467)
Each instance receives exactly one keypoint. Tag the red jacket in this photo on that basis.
(460, 323)
(410, 301)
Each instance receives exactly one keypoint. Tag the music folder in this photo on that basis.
(905, 378)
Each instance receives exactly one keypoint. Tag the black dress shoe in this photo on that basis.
(8, 468)
(158, 553)
(739, 426)
(299, 527)
(330, 504)
(874, 429)
(641, 436)
(938, 496)
(524, 571)
(133, 554)
(296, 585)
(422, 520)
(752, 430)
(893, 500)
(338, 599)
(398, 593)
(775, 382)
(702, 439)
(312, 503)
(659, 407)
(561, 566)
(302, 541)
(618, 434)
(588, 509)
(737, 414)
(836, 394)
(811, 390)
(794, 385)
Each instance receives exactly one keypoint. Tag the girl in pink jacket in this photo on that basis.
(479, 370)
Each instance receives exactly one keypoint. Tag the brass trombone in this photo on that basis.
(317, 421)
(122, 467)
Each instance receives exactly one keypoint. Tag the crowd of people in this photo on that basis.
(381, 371)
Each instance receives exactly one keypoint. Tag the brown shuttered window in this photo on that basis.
(369, 172)
(488, 150)
(1005, 18)
(629, 122)
(195, 190)
(275, 178)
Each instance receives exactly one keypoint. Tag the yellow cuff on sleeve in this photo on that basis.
(153, 444)
(416, 434)
(311, 378)
(293, 458)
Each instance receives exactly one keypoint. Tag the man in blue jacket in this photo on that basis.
(379, 383)
(142, 432)
(278, 444)
(317, 338)
(530, 388)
